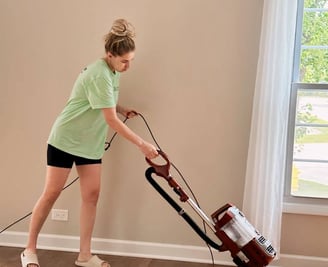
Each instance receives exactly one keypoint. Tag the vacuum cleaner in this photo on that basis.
(248, 248)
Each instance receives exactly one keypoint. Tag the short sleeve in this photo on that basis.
(101, 93)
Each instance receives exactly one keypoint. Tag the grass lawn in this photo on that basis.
(320, 137)
(310, 189)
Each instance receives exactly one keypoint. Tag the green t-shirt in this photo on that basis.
(81, 128)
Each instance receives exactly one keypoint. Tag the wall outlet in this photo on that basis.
(59, 215)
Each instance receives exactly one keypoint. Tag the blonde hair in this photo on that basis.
(120, 39)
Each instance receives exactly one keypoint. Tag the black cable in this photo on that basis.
(107, 146)
(178, 171)
(17, 221)
(182, 177)
(30, 213)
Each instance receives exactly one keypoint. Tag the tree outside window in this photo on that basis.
(309, 175)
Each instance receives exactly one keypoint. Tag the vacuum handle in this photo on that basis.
(180, 211)
(164, 171)
(161, 170)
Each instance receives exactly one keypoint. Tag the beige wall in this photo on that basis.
(193, 79)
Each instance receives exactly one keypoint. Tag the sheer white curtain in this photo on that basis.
(264, 183)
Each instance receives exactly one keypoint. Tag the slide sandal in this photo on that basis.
(28, 259)
(93, 262)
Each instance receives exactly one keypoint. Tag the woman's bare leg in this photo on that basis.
(55, 180)
(90, 187)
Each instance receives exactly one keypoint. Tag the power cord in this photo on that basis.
(184, 180)
(107, 146)
(29, 214)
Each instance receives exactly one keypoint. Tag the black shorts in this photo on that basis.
(59, 158)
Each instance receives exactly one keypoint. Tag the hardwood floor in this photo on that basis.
(10, 257)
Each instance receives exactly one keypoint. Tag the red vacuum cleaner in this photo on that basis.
(248, 248)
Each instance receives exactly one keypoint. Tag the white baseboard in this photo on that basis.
(149, 250)
(120, 248)
(287, 260)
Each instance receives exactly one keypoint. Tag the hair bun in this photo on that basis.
(122, 28)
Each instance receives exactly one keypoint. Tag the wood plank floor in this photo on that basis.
(10, 257)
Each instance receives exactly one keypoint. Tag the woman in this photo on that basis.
(78, 136)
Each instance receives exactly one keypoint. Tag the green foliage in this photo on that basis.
(303, 115)
(313, 69)
(315, 3)
(314, 61)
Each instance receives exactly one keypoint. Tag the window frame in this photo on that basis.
(298, 204)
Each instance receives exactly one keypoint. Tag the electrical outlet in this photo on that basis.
(59, 215)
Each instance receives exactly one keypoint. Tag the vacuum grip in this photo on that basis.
(161, 170)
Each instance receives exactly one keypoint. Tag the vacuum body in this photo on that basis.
(246, 245)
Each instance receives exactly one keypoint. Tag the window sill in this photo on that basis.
(307, 209)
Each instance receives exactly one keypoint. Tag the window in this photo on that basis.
(307, 148)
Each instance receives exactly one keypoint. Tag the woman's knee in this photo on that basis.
(50, 196)
(91, 196)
